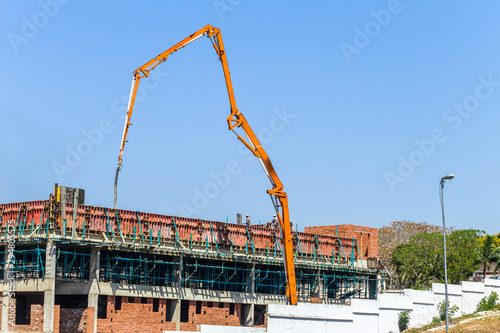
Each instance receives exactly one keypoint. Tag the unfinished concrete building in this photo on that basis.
(71, 267)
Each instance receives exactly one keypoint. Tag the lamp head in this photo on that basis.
(448, 177)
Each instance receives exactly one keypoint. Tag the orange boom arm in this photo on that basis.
(235, 120)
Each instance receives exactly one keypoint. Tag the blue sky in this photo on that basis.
(362, 108)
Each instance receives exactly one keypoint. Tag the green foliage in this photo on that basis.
(420, 262)
(463, 255)
(496, 239)
(442, 310)
(436, 320)
(488, 302)
(398, 233)
(489, 252)
(403, 320)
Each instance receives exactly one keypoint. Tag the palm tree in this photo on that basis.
(489, 252)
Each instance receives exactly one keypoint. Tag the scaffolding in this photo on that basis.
(137, 248)
(73, 264)
(29, 262)
(307, 282)
(191, 271)
(137, 268)
(270, 279)
(159, 270)
(2, 264)
(337, 286)
(216, 275)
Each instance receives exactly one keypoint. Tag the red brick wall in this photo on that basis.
(73, 321)
(35, 303)
(135, 316)
(366, 237)
(90, 319)
(57, 316)
(36, 323)
(214, 315)
(65, 320)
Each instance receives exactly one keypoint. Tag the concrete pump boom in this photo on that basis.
(235, 120)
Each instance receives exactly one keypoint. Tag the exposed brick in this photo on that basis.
(366, 237)
(135, 316)
(35, 304)
(214, 315)
(57, 317)
(73, 321)
(90, 319)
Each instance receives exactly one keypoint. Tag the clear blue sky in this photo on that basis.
(362, 107)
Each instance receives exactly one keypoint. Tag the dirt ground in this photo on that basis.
(481, 322)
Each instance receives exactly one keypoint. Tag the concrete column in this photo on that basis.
(318, 288)
(247, 314)
(5, 311)
(50, 293)
(8, 291)
(250, 279)
(178, 273)
(174, 305)
(93, 300)
(174, 312)
(376, 286)
(5, 292)
(7, 265)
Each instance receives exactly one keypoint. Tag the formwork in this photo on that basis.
(114, 260)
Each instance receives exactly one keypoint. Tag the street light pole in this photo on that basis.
(444, 246)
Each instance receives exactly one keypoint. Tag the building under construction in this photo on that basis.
(71, 267)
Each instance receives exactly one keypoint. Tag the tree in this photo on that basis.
(489, 252)
(462, 254)
(397, 233)
(497, 242)
(420, 261)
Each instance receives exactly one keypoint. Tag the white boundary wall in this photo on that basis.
(380, 315)
(224, 329)
(368, 316)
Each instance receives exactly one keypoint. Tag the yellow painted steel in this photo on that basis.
(235, 120)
